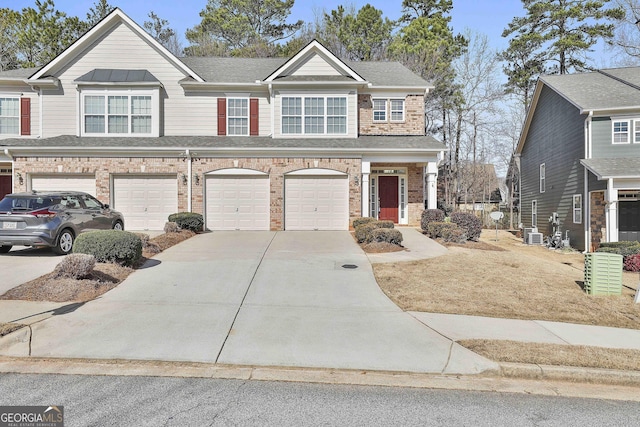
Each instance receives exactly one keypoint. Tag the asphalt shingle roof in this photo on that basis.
(117, 76)
(22, 73)
(624, 167)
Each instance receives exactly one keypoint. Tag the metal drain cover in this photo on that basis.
(349, 266)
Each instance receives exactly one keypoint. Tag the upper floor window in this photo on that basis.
(543, 177)
(621, 131)
(9, 116)
(237, 116)
(397, 110)
(379, 110)
(117, 114)
(314, 115)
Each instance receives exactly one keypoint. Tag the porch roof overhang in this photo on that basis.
(613, 168)
(378, 148)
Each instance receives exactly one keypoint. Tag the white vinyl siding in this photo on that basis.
(577, 209)
(315, 66)
(9, 116)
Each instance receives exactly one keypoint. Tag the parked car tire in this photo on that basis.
(64, 245)
(118, 226)
(5, 249)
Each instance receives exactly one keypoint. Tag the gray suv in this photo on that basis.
(52, 219)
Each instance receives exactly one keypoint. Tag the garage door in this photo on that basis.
(145, 202)
(64, 183)
(238, 202)
(316, 203)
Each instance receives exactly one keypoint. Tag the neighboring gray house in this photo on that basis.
(580, 157)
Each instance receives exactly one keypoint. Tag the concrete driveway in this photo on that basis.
(305, 299)
(23, 264)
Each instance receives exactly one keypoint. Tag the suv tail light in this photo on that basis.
(43, 213)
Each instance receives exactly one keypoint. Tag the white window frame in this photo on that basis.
(230, 116)
(130, 94)
(385, 111)
(577, 208)
(392, 110)
(628, 132)
(17, 117)
(305, 115)
(543, 177)
(534, 213)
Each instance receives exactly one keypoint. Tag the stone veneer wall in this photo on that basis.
(413, 124)
(598, 219)
(415, 191)
(103, 168)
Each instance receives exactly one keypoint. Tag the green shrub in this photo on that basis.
(453, 234)
(608, 250)
(363, 220)
(188, 221)
(363, 231)
(621, 248)
(434, 230)
(385, 224)
(429, 216)
(387, 235)
(75, 266)
(471, 224)
(121, 247)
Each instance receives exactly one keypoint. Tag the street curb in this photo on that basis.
(533, 379)
(570, 373)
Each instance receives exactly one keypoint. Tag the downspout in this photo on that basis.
(272, 101)
(10, 156)
(189, 170)
(40, 119)
(586, 199)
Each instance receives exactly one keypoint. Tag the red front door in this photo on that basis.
(5, 186)
(388, 197)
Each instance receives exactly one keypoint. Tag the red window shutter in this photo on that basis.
(25, 116)
(254, 128)
(222, 116)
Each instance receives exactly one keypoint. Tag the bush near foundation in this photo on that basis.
(471, 224)
(364, 231)
(363, 220)
(429, 216)
(387, 235)
(188, 221)
(120, 247)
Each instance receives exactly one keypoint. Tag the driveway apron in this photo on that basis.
(297, 299)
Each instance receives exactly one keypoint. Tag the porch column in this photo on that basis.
(611, 197)
(366, 170)
(431, 172)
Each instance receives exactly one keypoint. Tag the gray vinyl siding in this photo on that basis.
(602, 145)
(555, 138)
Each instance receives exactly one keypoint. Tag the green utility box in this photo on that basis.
(603, 273)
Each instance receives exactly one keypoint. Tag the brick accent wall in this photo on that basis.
(598, 219)
(415, 189)
(413, 124)
(103, 168)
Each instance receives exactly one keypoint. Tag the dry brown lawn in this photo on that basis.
(105, 277)
(555, 354)
(511, 281)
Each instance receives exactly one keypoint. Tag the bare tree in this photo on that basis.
(626, 39)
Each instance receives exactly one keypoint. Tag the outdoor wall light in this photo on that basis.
(356, 180)
(184, 179)
(196, 178)
(20, 178)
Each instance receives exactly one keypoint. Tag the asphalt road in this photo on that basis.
(151, 401)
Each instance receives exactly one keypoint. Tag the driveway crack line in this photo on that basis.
(245, 296)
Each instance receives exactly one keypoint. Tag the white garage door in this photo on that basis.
(316, 203)
(239, 202)
(64, 183)
(145, 201)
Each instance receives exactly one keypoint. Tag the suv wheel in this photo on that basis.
(65, 242)
(5, 249)
(118, 226)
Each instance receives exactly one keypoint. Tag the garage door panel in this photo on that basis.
(145, 202)
(85, 183)
(238, 202)
(316, 203)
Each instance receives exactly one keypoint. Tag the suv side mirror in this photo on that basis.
(105, 206)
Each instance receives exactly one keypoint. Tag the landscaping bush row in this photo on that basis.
(369, 230)
(629, 250)
(458, 228)
(121, 247)
(188, 221)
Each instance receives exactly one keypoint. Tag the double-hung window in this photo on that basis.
(379, 110)
(238, 116)
(543, 177)
(534, 213)
(117, 114)
(9, 116)
(577, 208)
(621, 131)
(397, 110)
(314, 115)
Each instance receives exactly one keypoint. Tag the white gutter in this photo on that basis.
(586, 202)
(8, 154)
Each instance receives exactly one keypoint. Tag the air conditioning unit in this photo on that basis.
(525, 233)
(534, 239)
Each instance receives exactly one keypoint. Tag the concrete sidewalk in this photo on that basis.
(417, 247)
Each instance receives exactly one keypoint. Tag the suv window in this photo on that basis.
(71, 202)
(26, 204)
(91, 203)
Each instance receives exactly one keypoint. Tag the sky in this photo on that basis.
(489, 17)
